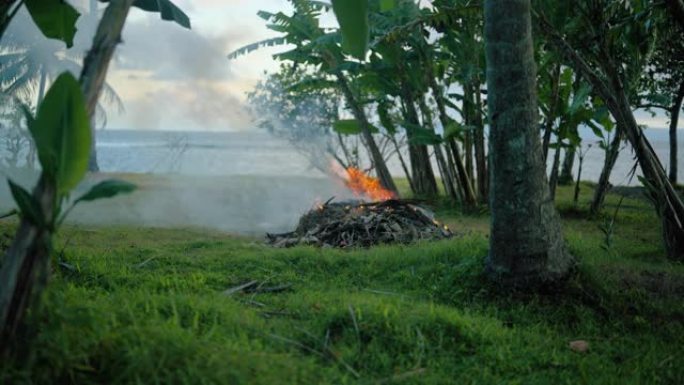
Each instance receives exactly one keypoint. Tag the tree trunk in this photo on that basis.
(553, 178)
(447, 181)
(468, 138)
(380, 166)
(566, 178)
(551, 118)
(666, 200)
(465, 186)
(603, 182)
(97, 60)
(526, 244)
(480, 156)
(674, 119)
(403, 164)
(25, 268)
(421, 167)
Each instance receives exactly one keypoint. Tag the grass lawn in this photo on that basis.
(147, 305)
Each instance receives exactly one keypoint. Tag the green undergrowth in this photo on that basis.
(144, 305)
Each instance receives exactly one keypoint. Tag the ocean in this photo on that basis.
(235, 182)
(258, 153)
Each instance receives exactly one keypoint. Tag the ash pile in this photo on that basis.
(363, 224)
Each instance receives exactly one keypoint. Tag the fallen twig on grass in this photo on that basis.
(241, 287)
(401, 376)
(255, 287)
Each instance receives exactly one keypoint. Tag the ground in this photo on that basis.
(147, 305)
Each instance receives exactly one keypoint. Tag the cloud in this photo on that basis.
(171, 52)
(182, 104)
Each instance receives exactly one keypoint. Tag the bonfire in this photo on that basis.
(376, 217)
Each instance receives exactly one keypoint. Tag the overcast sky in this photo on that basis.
(178, 79)
(171, 78)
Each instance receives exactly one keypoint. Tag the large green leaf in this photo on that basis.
(353, 18)
(27, 204)
(56, 19)
(349, 127)
(580, 98)
(421, 136)
(387, 5)
(107, 189)
(61, 131)
(166, 8)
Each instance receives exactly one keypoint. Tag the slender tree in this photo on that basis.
(526, 244)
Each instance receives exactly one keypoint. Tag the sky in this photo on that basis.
(172, 78)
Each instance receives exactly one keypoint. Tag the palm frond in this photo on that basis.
(254, 46)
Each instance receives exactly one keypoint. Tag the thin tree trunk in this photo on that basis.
(568, 162)
(604, 179)
(380, 166)
(468, 138)
(421, 167)
(575, 197)
(403, 164)
(480, 156)
(465, 186)
(674, 119)
(551, 118)
(97, 60)
(553, 178)
(447, 181)
(526, 243)
(667, 203)
(25, 268)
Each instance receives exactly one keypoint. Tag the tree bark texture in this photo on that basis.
(526, 244)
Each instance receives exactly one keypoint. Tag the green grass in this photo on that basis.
(146, 306)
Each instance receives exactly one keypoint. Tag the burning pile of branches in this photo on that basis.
(362, 224)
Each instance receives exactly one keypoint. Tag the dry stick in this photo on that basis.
(235, 289)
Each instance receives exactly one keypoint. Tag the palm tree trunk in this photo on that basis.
(526, 243)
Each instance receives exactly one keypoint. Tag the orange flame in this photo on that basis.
(367, 186)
